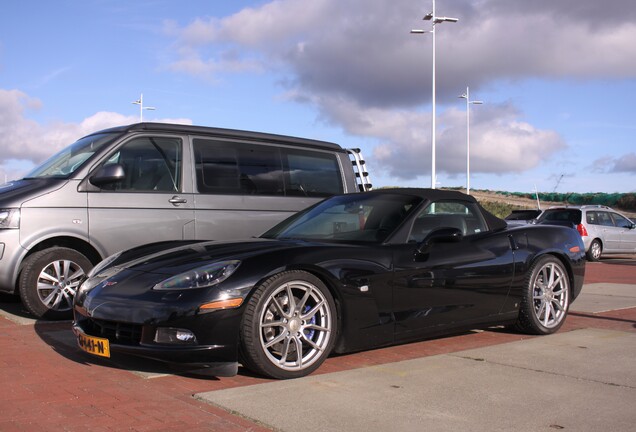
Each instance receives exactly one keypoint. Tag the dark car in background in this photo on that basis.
(604, 230)
(523, 215)
(352, 272)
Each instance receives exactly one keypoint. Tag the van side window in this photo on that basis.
(237, 168)
(310, 173)
(150, 164)
(251, 169)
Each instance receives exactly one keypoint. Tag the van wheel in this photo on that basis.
(49, 280)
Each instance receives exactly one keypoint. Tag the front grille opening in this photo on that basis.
(116, 332)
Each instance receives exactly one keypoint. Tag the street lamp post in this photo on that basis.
(436, 20)
(468, 103)
(140, 102)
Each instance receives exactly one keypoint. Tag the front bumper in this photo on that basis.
(11, 254)
(215, 348)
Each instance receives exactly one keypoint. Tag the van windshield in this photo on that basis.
(68, 160)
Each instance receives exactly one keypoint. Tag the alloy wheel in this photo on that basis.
(57, 284)
(295, 326)
(550, 295)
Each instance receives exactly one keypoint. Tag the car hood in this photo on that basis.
(172, 258)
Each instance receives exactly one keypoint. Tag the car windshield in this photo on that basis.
(352, 218)
(68, 160)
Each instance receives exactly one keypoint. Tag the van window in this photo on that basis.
(312, 174)
(237, 168)
(150, 164)
(249, 169)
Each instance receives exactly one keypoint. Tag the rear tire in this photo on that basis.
(49, 280)
(289, 326)
(595, 250)
(546, 300)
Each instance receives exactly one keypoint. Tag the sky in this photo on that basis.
(557, 79)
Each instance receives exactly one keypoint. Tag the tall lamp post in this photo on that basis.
(436, 20)
(468, 103)
(140, 102)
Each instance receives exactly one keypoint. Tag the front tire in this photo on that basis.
(546, 299)
(289, 326)
(49, 280)
(595, 250)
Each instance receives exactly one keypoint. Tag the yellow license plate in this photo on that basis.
(93, 345)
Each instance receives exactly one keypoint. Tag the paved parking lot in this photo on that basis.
(579, 379)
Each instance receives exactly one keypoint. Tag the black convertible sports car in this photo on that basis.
(353, 272)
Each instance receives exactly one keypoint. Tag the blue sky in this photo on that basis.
(557, 78)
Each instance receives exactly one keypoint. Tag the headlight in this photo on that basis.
(201, 277)
(10, 218)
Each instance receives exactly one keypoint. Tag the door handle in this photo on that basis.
(176, 200)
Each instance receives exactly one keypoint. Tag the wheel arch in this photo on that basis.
(326, 278)
(598, 239)
(74, 243)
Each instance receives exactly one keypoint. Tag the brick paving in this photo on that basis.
(48, 385)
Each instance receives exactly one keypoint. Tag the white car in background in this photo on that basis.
(604, 230)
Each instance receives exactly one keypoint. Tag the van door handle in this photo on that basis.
(176, 200)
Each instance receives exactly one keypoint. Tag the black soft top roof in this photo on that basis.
(494, 223)
(222, 133)
(430, 194)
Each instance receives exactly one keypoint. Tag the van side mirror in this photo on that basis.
(109, 173)
(440, 235)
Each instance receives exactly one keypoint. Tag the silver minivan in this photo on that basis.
(149, 182)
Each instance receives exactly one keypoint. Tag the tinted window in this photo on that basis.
(564, 215)
(237, 169)
(249, 169)
(150, 164)
(311, 173)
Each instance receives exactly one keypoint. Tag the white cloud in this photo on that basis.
(500, 142)
(25, 140)
(610, 164)
(362, 49)
(356, 62)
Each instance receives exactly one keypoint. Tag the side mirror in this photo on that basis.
(440, 235)
(109, 173)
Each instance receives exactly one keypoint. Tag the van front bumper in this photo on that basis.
(11, 254)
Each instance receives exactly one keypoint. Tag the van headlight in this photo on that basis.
(9, 218)
(200, 277)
